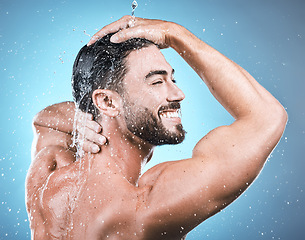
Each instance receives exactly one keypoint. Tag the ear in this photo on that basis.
(107, 102)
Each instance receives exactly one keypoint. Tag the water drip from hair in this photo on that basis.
(133, 6)
(80, 122)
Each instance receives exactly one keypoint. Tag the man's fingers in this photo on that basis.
(90, 135)
(86, 120)
(82, 115)
(113, 27)
(90, 147)
(93, 39)
(134, 32)
(157, 36)
(88, 116)
(122, 36)
(122, 23)
(132, 27)
(93, 125)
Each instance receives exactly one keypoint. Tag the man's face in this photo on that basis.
(152, 99)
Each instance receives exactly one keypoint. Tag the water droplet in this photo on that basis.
(133, 6)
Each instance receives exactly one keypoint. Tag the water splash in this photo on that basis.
(78, 142)
(133, 6)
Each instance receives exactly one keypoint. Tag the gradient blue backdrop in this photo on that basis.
(38, 44)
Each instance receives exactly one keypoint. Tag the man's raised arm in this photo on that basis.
(51, 148)
(53, 126)
(53, 137)
(229, 158)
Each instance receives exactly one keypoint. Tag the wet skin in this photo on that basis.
(105, 196)
(101, 203)
(102, 196)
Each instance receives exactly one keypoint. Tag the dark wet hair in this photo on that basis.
(101, 65)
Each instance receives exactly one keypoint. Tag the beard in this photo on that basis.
(144, 124)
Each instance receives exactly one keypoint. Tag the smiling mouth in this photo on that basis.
(171, 112)
(175, 113)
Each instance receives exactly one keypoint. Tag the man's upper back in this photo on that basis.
(79, 201)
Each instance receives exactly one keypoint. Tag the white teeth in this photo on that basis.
(169, 114)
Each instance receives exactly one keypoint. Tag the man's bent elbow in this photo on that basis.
(278, 118)
(41, 118)
(35, 122)
(282, 116)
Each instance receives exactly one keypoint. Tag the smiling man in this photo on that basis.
(126, 84)
(152, 105)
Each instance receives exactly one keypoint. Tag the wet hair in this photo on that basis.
(101, 66)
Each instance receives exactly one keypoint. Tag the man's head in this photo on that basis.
(101, 66)
(138, 73)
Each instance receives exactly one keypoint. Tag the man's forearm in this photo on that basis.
(59, 117)
(53, 126)
(231, 85)
(243, 147)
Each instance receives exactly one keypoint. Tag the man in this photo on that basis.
(102, 196)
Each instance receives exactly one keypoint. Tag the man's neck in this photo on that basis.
(126, 151)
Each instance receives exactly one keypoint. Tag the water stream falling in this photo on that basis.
(133, 6)
(80, 122)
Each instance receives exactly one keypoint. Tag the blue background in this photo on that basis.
(38, 44)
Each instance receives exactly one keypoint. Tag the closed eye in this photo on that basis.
(157, 82)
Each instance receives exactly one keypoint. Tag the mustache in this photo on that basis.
(170, 106)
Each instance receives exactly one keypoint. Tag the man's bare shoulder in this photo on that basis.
(46, 162)
(46, 187)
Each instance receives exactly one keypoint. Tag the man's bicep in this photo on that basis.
(211, 145)
(241, 147)
(186, 188)
(224, 163)
(237, 153)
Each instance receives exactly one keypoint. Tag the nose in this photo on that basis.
(175, 94)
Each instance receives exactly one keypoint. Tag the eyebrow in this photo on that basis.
(158, 72)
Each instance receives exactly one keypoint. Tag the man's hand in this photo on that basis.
(129, 27)
(58, 125)
(88, 133)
